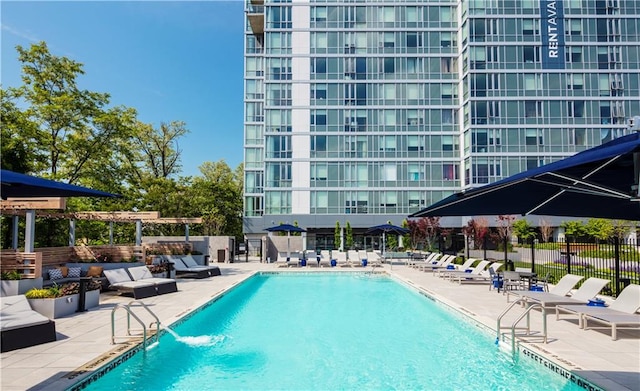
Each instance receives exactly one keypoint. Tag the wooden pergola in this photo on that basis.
(44, 207)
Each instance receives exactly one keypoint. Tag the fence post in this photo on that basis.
(484, 246)
(568, 249)
(533, 254)
(616, 252)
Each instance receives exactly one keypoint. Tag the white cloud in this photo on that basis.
(21, 34)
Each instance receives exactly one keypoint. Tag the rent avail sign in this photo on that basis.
(552, 20)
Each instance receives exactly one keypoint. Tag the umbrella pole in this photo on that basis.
(288, 245)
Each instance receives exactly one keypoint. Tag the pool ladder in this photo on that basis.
(514, 325)
(130, 313)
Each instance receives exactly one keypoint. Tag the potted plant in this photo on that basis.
(61, 300)
(13, 284)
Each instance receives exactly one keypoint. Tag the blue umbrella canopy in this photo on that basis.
(598, 182)
(387, 228)
(288, 228)
(384, 229)
(285, 228)
(21, 185)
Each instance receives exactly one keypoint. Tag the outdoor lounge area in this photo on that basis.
(611, 364)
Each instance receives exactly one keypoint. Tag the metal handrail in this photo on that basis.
(526, 312)
(130, 313)
(143, 305)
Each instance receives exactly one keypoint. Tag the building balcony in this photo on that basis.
(255, 14)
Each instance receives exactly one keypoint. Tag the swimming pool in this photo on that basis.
(328, 331)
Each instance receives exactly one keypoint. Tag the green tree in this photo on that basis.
(573, 229)
(160, 147)
(75, 132)
(600, 229)
(523, 230)
(391, 240)
(218, 193)
(18, 144)
(337, 237)
(348, 232)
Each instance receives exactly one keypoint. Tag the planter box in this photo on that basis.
(64, 306)
(19, 287)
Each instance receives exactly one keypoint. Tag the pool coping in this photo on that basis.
(97, 368)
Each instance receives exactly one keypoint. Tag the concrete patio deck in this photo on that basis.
(84, 339)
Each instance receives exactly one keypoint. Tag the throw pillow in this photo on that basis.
(55, 274)
(74, 272)
(65, 270)
(94, 271)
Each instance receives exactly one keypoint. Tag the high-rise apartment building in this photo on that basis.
(367, 111)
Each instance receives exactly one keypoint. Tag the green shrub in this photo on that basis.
(39, 293)
(11, 275)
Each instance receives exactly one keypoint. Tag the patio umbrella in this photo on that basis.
(21, 185)
(600, 182)
(288, 228)
(383, 229)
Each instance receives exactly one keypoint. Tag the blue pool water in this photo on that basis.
(328, 332)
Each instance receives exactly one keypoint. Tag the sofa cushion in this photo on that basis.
(116, 276)
(15, 313)
(55, 274)
(64, 270)
(140, 273)
(94, 271)
(74, 272)
(189, 261)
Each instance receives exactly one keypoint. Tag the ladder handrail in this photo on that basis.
(129, 313)
(143, 305)
(526, 312)
(506, 310)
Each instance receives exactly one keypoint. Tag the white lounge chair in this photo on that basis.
(373, 259)
(445, 264)
(486, 275)
(588, 290)
(564, 286)
(456, 268)
(477, 270)
(426, 258)
(437, 260)
(621, 313)
(340, 257)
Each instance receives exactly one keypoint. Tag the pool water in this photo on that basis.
(332, 331)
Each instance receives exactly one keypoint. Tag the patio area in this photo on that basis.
(84, 339)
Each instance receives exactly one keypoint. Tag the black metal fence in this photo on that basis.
(615, 259)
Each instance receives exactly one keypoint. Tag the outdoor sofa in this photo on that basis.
(21, 327)
(186, 266)
(122, 280)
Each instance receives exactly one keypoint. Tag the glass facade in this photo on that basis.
(367, 111)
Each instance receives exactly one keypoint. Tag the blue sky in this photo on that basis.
(170, 60)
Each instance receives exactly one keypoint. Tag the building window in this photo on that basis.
(450, 172)
(576, 108)
(532, 109)
(531, 54)
(533, 136)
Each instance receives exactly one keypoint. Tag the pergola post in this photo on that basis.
(30, 230)
(15, 236)
(138, 232)
(72, 232)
